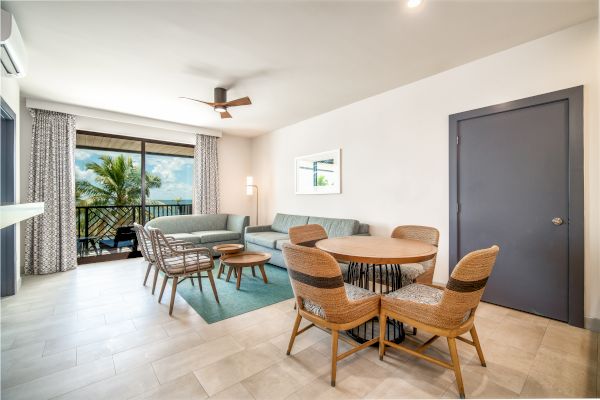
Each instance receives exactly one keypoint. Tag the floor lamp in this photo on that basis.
(249, 186)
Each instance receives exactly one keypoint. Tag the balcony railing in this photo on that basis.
(98, 223)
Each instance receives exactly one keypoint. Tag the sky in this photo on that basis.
(176, 173)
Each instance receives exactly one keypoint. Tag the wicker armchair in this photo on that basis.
(418, 272)
(447, 312)
(180, 264)
(145, 246)
(325, 300)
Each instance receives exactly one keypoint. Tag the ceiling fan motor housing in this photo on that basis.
(220, 95)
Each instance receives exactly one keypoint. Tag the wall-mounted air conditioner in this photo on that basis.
(13, 56)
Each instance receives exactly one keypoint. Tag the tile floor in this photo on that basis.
(96, 332)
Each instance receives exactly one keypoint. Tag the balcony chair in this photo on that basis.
(326, 301)
(145, 246)
(447, 312)
(178, 263)
(124, 237)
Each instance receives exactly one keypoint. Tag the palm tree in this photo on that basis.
(118, 183)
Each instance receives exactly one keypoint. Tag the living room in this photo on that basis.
(188, 186)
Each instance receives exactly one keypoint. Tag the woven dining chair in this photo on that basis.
(442, 311)
(418, 272)
(325, 300)
(145, 246)
(307, 235)
(180, 264)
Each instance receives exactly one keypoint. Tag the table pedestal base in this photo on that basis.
(380, 279)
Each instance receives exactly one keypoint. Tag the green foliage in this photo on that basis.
(322, 181)
(118, 182)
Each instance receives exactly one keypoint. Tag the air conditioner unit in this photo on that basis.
(13, 56)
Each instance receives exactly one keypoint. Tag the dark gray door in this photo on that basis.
(512, 189)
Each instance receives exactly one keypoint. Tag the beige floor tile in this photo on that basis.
(482, 388)
(185, 388)
(151, 352)
(274, 383)
(96, 350)
(33, 350)
(553, 375)
(87, 336)
(61, 382)
(237, 367)
(579, 345)
(305, 340)
(398, 387)
(194, 358)
(521, 334)
(118, 387)
(262, 332)
(28, 369)
(235, 392)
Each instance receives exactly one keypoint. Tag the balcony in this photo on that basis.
(108, 230)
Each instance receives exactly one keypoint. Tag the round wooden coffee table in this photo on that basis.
(229, 248)
(245, 259)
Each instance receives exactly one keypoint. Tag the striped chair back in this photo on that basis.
(317, 283)
(143, 238)
(425, 234)
(307, 235)
(465, 287)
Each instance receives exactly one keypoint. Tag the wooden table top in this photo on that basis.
(246, 258)
(228, 248)
(377, 249)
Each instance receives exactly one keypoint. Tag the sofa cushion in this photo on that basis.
(186, 237)
(283, 222)
(279, 244)
(336, 227)
(189, 223)
(216, 236)
(265, 239)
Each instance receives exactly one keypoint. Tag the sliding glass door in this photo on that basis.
(122, 180)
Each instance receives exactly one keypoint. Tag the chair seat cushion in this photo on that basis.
(186, 237)
(176, 265)
(416, 293)
(110, 243)
(352, 292)
(265, 239)
(409, 272)
(279, 244)
(217, 236)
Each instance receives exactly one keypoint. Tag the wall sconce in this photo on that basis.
(250, 186)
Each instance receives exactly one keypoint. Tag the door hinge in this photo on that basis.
(457, 139)
(457, 208)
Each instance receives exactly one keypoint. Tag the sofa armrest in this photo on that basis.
(258, 228)
(238, 223)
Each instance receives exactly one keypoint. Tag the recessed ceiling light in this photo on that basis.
(413, 3)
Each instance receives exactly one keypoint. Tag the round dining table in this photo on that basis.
(375, 263)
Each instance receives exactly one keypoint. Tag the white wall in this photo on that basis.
(395, 145)
(10, 92)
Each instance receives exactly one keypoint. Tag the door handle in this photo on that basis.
(557, 221)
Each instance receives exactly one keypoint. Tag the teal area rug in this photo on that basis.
(253, 293)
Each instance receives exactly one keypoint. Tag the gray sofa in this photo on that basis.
(270, 238)
(204, 230)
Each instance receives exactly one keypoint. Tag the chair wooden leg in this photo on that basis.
(334, 351)
(382, 325)
(173, 292)
(212, 283)
(162, 288)
(294, 333)
(155, 279)
(475, 338)
(147, 273)
(456, 366)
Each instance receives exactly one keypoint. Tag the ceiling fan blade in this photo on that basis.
(225, 114)
(244, 101)
(200, 101)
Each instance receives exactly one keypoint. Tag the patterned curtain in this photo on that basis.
(206, 175)
(50, 238)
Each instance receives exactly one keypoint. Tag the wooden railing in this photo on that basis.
(103, 221)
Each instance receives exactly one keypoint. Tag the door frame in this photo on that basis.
(8, 235)
(574, 96)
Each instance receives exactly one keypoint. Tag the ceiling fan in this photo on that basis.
(221, 104)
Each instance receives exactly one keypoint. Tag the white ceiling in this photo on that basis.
(295, 59)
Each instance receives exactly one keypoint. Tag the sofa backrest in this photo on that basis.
(283, 222)
(336, 227)
(189, 223)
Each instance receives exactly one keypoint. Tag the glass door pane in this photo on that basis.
(169, 175)
(108, 195)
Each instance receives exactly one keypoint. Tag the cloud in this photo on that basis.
(82, 155)
(84, 174)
